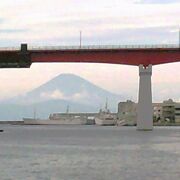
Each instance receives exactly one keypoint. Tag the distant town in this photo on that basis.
(165, 113)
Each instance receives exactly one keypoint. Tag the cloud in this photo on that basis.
(1, 20)
(163, 91)
(13, 31)
(115, 36)
(57, 94)
(157, 1)
(80, 95)
(53, 95)
(57, 27)
(99, 24)
(146, 35)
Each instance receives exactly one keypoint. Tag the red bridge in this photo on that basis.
(129, 55)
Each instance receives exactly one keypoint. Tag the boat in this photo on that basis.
(105, 118)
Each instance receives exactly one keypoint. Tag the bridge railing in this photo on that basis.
(86, 47)
(104, 47)
(10, 48)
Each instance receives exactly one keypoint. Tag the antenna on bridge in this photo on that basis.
(80, 39)
(179, 38)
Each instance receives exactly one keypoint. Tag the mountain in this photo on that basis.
(54, 96)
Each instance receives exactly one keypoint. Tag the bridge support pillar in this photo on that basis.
(144, 110)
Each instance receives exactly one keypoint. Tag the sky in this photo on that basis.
(102, 22)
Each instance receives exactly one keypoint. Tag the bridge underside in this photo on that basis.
(119, 56)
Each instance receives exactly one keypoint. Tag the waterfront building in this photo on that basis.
(127, 111)
(177, 112)
(166, 111)
(157, 111)
(171, 111)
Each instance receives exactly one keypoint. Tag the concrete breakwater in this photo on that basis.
(59, 122)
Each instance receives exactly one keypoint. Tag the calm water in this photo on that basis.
(88, 153)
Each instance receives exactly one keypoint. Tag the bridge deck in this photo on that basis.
(123, 54)
(94, 47)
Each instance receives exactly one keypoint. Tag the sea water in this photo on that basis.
(88, 153)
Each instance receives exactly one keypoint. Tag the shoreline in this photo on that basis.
(25, 124)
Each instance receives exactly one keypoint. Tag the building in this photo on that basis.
(127, 111)
(157, 111)
(170, 111)
(166, 111)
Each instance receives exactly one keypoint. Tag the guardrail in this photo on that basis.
(10, 48)
(155, 46)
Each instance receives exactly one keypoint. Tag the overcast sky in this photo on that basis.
(58, 22)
